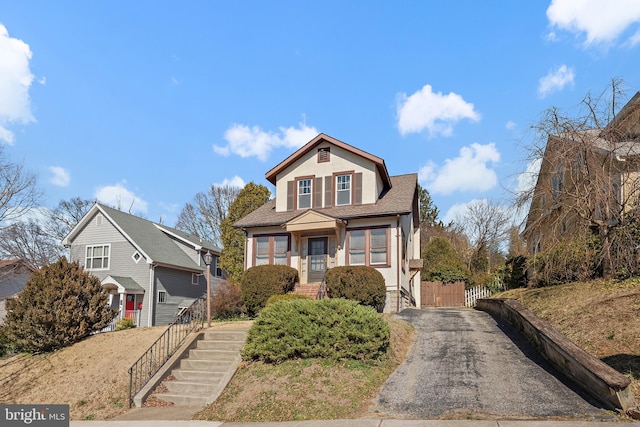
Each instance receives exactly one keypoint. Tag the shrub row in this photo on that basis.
(303, 328)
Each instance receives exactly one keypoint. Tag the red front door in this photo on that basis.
(130, 306)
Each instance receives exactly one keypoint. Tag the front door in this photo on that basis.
(318, 259)
(129, 309)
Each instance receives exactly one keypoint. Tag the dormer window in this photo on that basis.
(323, 154)
(304, 193)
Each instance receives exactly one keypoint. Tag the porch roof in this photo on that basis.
(123, 284)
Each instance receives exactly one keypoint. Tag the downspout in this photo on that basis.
(152, 294)
(398, 262)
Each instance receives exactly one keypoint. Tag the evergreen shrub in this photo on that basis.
(125, 323)
(273, 299)
(260, 282)
(359, 283)
(60, 305)
(336, 329)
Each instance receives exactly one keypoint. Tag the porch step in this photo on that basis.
(309, 290)
(206, 369)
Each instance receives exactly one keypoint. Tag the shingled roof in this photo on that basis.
(155, 241)
(397, 200)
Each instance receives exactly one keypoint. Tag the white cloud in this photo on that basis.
(511, 125)
(252, 141)
(456, 211)
(527, 179)
(469, 171)
(236, 181)
(15, 81)
(61, 176)
(432, 111)
(120, 197)
(556, 80)
(602, 21)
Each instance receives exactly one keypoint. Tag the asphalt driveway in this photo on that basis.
(467, 362)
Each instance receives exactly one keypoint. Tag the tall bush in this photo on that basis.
(226, 301)
(304, 328)
(260, 282)
(60, 304)
(442, 263)
(359, 283)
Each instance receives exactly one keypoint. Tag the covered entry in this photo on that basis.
(317, 238)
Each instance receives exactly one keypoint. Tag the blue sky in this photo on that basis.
(146, 103)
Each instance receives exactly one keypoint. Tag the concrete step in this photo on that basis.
(184, 399)
(190, 375)
(220, 345)
(206, 365)
(226, 335)
(190, 387)
(206, 354)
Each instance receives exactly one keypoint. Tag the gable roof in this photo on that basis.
(397, 200)
(380, 166)
(155, 241)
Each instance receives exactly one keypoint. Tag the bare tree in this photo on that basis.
(28, 241)
(204, 216)
(587, 183)
(61, 220)
(37, 239)
(18, 192)
(486, 224)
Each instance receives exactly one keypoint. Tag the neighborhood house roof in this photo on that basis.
(397, 200)
(155, 241)
(127, 284)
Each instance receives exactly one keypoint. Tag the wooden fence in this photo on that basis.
(438, 294)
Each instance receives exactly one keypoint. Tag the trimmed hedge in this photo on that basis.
(359, 283)
(303, 328)
(273, 299)
(261, 282)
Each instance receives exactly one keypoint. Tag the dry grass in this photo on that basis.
(308, 389)
(602, 317)
(90, 376)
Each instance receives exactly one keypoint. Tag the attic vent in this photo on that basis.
(136, 256)
(323, 154)
(99, 220)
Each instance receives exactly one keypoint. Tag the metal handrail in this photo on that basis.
(141, 372)
(322, 290)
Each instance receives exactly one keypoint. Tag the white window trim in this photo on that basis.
(310, 194)
(86, 258)
(133, 257)
(338, 190)
(164, 298)
(195, 279)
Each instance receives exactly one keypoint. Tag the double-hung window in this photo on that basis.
(343, 189)
(369, 247)
(304, 193)
(272, 250)
(97, 257)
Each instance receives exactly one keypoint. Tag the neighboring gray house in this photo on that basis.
(151, 271)
(14, 274)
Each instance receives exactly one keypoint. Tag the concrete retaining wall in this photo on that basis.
(601, 381)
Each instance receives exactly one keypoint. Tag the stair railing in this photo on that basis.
(322, 290)
(188, 320)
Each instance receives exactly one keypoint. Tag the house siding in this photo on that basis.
(340, 160)
(177, 285)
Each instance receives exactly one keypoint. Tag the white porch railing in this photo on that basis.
(130, 314)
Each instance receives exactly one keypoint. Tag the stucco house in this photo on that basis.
(337, 205)
(151, 271)
(14, 274)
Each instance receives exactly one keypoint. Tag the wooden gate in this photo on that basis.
(438, 294)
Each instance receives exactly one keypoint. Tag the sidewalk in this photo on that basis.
(356, 423)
